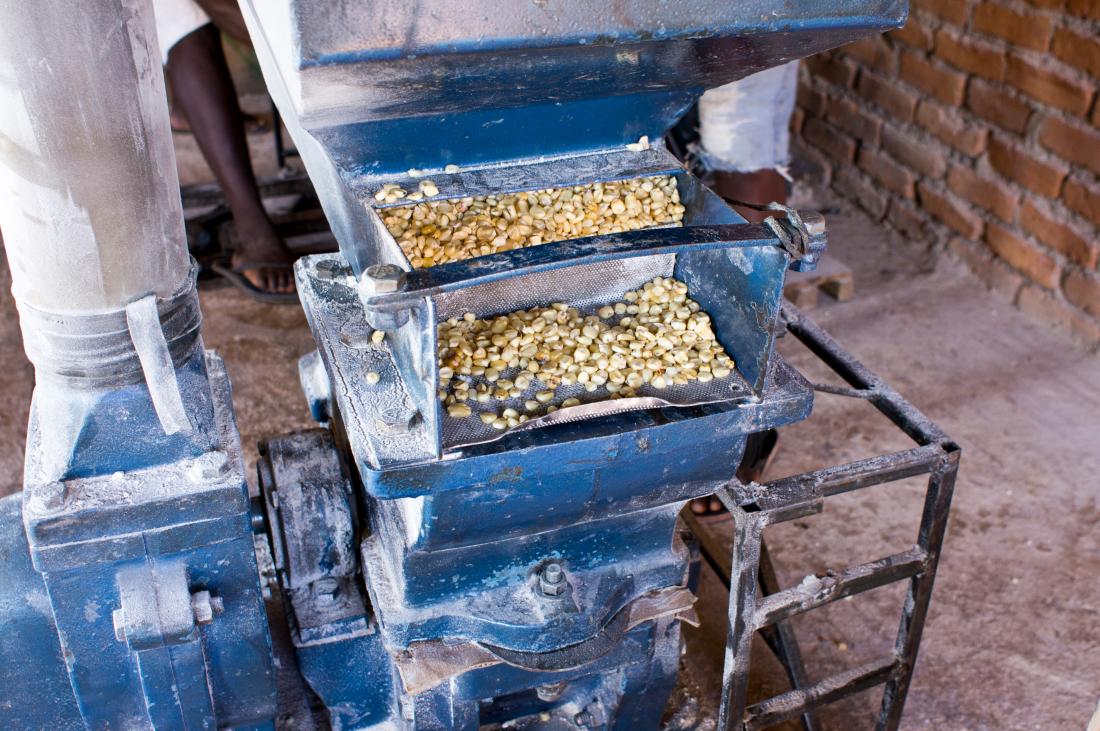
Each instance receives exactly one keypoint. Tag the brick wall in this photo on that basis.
(976, 125)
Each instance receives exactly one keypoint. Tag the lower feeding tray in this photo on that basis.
(598, 353)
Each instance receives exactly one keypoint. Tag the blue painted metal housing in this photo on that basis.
(146, 583)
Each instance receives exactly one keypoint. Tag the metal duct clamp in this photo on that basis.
(801, 234)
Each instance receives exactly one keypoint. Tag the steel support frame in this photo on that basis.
(754, 506)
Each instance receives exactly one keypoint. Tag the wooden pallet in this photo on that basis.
(831, 275)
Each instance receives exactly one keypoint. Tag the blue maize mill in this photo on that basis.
(428, 576)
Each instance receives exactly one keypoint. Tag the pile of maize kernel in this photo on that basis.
(655, 336)
(437, 232)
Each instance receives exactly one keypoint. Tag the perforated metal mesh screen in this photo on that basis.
(587, 288)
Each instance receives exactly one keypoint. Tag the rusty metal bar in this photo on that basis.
(937, 505)
(748, 530)
(755, 506)
(906, 416)
(797, 702)
(780, 635)
(811, 594)
(844, 478)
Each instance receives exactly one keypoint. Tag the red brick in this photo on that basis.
(992, 195)
(829, 140)
(946, 125)
(915, 153)
(977, 58)
(1049, 86)
(1083, 290)
(858, 188)
(1042, 304)
(1078, 50)
(942, 83)
(952, 212)
(1029, 171)
(1084, 198)
(810, 101)
(994, 105)
(839, 71)
(809, 163)
(797, 118)
(1048, 4)
(914, 34)
(1039, 266)
(1084, 8)
(1072, 142)
(895, 99)
(907, 218)
(885, 170)
(953, 11)
(874, 52)
(1058, 235)
(852, 118)
(1029, 30)
(993, 272)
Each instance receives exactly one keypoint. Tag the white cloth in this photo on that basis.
(176, 19)
(745, 126)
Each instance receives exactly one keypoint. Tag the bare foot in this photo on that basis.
(709, 505)
(264, 259)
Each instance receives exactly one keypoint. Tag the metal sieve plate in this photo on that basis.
(587, 288)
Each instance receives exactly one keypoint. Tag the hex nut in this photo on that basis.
(552, 580)
(814, 222)
(383, 278)
(206, 607)
(329, 269)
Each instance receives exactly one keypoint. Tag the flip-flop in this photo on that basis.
(236, 277)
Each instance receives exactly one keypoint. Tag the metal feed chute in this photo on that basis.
(541, 336)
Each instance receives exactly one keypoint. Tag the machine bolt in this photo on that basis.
(357, 336)
(814, 222)
(206, 607)
(118, 618)
(400, 419)
(326, 590)
(552, 579)
(383, 279)
(550, 692)
(329, 269)
(583, 719)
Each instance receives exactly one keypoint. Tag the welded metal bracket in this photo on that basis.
(159, 621)
(754, 507)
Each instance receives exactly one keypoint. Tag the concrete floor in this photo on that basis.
(1012, 635)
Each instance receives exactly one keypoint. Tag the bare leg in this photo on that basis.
(204, 91)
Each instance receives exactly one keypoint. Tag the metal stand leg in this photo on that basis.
(937, 503)
(780, 636)
(748, 530)
(755, 506)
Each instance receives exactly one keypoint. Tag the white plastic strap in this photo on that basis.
(143, 321)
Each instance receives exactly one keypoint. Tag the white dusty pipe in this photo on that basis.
(89, 200)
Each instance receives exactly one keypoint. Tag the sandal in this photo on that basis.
(236, 277)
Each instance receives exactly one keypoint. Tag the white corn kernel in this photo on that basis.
(459, 411)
